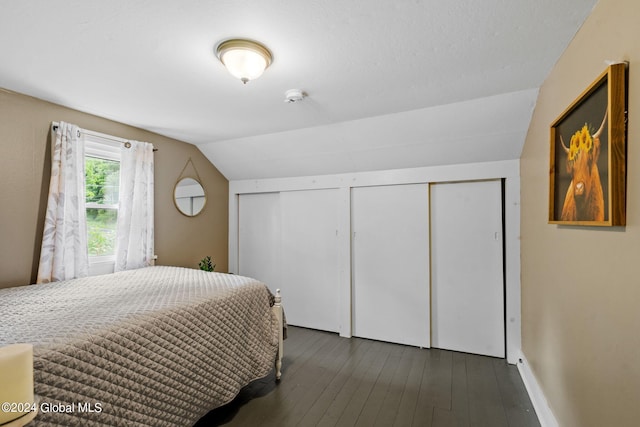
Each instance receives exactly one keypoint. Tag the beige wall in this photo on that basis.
(25, 145)
(581, 285)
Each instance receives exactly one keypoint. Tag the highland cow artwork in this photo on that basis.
(588, 147)
(584, 200)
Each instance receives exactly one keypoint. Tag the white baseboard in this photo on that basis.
(538, 399)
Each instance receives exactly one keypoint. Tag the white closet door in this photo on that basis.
(391, 263)
(466, 266)
(310, 263)
(259, 238)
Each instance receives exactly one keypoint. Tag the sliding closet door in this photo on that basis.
(466, 267)
(289, 240)
(310, 268)
(390, 268)
(259, 238)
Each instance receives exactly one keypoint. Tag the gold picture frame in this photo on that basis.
(587, 174)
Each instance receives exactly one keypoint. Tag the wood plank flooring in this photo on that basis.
(333, 381)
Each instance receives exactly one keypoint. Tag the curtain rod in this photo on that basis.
(99, 135)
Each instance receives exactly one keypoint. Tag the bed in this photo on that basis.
(154, 346)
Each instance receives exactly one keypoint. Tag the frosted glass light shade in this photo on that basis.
(245, 59)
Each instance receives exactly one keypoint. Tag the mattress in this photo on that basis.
(155, 346)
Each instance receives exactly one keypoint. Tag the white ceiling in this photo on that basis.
(391, 83)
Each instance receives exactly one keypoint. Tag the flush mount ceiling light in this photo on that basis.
(245, 59)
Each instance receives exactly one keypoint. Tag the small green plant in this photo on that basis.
(206, 264)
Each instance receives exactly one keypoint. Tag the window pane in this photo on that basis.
(102, 181)
(101, 227)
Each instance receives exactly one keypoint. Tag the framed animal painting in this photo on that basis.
(587, 184)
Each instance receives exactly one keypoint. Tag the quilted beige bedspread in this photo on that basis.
(158, 346)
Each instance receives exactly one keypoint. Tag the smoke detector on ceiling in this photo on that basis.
(294, 95)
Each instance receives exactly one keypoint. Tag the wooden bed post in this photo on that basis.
(277, 308)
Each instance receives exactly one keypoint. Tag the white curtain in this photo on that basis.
(134, 241)
(64, 254)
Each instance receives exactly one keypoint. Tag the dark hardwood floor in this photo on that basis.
(333, 381)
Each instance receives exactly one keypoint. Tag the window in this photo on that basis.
(102, 180)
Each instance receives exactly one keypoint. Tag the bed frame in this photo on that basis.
(277, 309)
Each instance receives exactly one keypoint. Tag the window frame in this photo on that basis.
(103, 147)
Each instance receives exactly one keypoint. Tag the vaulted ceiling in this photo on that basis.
(391, 83)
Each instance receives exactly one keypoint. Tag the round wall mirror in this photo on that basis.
(189, 197)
